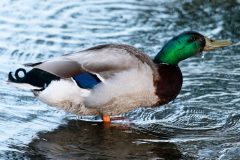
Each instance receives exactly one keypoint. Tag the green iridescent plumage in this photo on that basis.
(180, 47)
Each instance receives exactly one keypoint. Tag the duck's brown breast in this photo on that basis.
(168, 82)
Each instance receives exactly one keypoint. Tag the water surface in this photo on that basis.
(203, 122)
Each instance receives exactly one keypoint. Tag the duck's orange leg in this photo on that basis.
(106, 119)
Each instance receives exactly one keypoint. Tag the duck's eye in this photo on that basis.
(192, 38)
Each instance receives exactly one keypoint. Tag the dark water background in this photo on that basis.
(202, 123)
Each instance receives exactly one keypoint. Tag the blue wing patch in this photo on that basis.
(86, 80)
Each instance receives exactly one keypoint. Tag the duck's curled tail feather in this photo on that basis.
(17, 78)
(34, 77)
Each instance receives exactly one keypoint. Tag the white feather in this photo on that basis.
(63, 91)
(136, 81)
(121, 93)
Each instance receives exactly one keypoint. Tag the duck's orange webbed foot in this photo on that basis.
(107, 122)
(106, 118)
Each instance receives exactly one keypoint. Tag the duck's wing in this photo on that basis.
(103, 59)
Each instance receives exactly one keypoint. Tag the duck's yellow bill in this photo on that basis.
(214, 44)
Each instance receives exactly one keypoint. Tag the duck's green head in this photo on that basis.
(187, 45)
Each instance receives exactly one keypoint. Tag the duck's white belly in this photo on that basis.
(66, 95)
(120, 94)
(125, 91)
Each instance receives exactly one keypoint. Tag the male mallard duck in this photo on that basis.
(112, 79)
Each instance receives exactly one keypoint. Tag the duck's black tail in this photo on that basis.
(35, 77)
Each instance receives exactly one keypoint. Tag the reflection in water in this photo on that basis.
(83, 140)
(202, 123)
